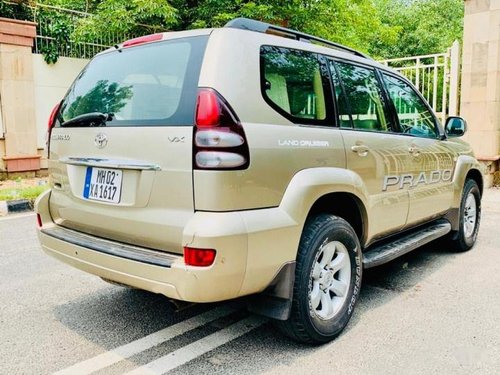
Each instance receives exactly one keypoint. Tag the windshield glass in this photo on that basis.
(153, 84)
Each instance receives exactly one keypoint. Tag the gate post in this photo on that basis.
(454, 78)
(480, 102)
(18, 146)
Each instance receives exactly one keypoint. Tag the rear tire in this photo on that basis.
(470, 217)
(327, 280)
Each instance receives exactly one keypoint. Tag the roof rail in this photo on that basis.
(262, 27)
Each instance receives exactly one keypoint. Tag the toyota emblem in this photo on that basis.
(101, 140)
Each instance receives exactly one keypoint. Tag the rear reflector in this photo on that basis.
(39, 220)
(143, 39)
(199, 257)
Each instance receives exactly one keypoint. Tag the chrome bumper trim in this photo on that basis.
(131, 252)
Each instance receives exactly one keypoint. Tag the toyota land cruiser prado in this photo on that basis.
(251, 160)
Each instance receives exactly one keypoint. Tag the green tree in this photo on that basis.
(424, 26)
(382, 28)
(353, 23)
(119, 17)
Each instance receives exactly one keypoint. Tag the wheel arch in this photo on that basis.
(475, 174)
(466, 167)
(345, 205)
(312, 191)
(336, 191)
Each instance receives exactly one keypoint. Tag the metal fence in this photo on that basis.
(52, 19)
(436, 76)
(45, 16)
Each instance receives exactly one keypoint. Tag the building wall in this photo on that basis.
(51, 83)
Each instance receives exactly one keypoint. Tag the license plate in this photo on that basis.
(103, 184)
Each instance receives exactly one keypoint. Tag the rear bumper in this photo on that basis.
(137, 274)
(251, 248)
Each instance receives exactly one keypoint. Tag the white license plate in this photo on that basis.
(103, 184)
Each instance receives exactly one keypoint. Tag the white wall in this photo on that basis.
(51, 83)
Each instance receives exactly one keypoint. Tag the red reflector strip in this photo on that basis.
(143, 39)
(39, 220)
(199, 257)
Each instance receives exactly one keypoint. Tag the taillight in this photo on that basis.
(52, 118)
(52, 121)
(219, 139)
(199, 257)
(39, 220)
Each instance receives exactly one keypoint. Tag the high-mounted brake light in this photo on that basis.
(199, 257)
(219, 139)
(143, 39)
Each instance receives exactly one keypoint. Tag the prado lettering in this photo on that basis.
(412, 181)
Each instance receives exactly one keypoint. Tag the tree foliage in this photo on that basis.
(382, 28)
(353, 23)
(425, 26)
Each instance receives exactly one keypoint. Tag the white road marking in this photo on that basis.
(17, 216)
(189, 352)
(125, 351)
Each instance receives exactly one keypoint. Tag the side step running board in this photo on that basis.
(388, 251)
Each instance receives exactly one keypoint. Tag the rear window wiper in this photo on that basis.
(90, 119)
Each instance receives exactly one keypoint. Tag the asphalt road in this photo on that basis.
(431, 311)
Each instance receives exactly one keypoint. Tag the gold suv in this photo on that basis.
(251, 160)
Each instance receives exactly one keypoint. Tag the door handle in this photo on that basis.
(361, 150)
(415, 151)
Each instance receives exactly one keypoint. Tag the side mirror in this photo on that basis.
(455, 126)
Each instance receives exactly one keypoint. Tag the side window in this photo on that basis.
(292, 83)
(414, 116)
(341, 100)
(365, 98)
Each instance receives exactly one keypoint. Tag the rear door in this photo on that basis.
(129, 177)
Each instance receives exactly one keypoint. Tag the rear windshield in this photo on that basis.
(150, 85)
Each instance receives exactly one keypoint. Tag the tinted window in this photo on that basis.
(365, 98)
(414, 116)
(341, 100)
(292, 82)
(153, 84)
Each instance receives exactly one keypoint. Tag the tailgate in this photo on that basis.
(155, 197)
(120, 156)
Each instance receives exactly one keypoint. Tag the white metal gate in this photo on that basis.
(436, 76)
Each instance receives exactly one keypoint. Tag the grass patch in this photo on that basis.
(31, 193)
